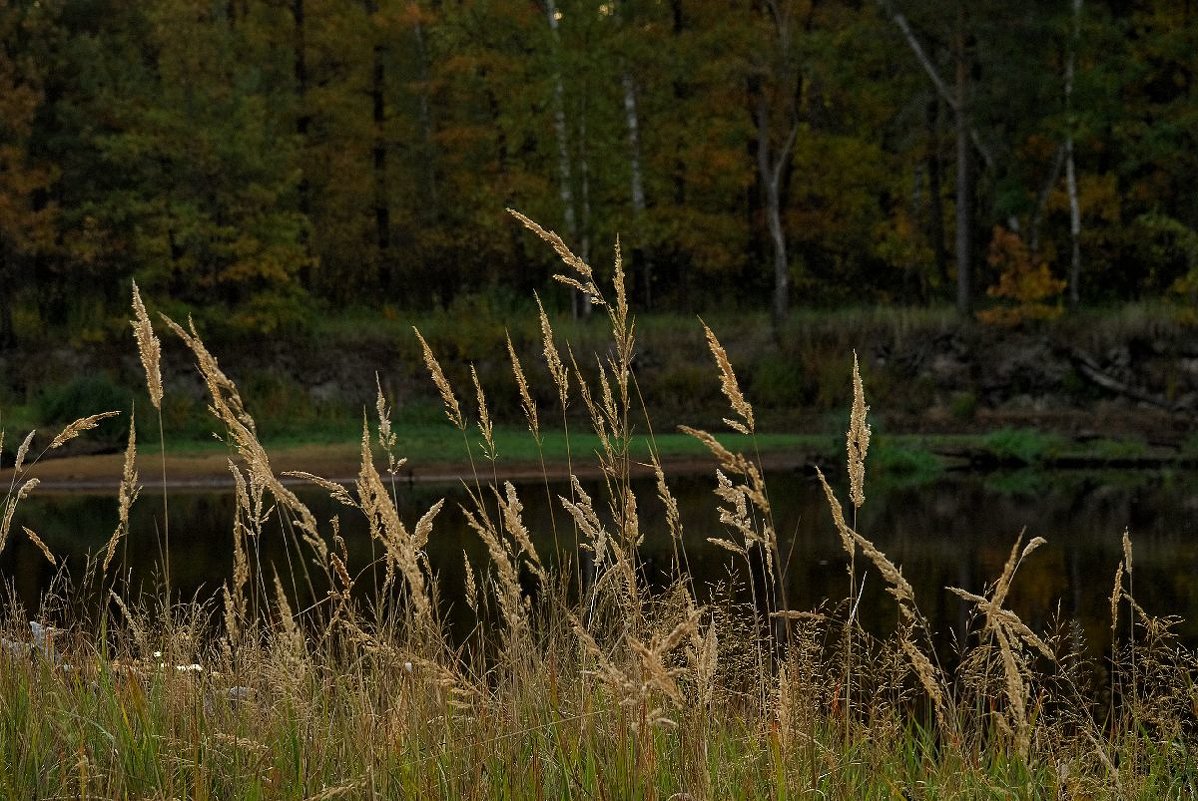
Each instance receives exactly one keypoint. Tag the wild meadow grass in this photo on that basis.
(579, 678)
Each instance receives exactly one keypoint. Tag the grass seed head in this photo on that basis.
(78, 427)
(527, 403)
(1116, 596)
(126, 495)
(23, 451)
(857, 439)
(148, 348)
(729, 385)
(41, 546)
(557, 368)
(484, 417)
(10, 508)
(452, 410)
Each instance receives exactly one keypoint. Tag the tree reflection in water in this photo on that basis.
(954, 531)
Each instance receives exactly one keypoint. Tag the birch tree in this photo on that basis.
(562, 134)
(632, 126)
(775, 86)
(956, 98)
(1075, 217)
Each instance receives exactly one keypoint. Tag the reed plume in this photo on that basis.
(584, 282)
(526, 400)
(404, 549)
(452, 410)
(1011, 635)
(23, 452)
(553, 359)
(148, 349)
(729, 385)
(126, 495)
(857, 439)
(32, 536)
(10, 507)
(227, 407)
(76, 428)
(485, 427)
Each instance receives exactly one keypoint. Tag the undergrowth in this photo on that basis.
(579, 678)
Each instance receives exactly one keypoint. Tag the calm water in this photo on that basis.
(956, 531)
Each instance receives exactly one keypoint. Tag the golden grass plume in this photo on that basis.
(148, 349)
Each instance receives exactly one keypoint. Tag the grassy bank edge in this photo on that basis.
(435, 453)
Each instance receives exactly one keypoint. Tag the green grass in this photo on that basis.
(440, 443)
(1023, 446)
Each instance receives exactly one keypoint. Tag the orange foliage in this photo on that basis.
(1023, 283)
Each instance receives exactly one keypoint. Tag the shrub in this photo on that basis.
(1024, 446)
(1025, 286)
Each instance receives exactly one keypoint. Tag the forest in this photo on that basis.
(259, 162)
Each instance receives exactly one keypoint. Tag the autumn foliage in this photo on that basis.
(1025, 287)
(255, 163)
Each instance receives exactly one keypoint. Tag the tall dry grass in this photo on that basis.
(580, 677)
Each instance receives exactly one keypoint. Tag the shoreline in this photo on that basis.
(340, 462)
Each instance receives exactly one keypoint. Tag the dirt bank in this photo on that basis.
(102, 472)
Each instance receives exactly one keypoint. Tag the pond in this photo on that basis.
(954, 531)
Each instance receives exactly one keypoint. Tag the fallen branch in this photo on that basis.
(1092, 372)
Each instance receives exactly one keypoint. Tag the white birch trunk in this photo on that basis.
(964, 183)
(942, 88)
(1075, 217)
(565, 180)
(770, 166)
(637, 184)
(584, 169)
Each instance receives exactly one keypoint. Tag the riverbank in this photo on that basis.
(1125, 373)
(436, 454)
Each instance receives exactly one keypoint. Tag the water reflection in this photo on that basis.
(957, 531)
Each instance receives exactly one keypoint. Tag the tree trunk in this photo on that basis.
(1075, 217)
(679, 91)
(964, 182)
(632, 122)
(302, 120)
(768, 166)
(502, 158)
(382, 205)
(936, 191)
(560, 129)
(1037, 219)
(426, 123)
(781, 305)
(584, 175)
(8, 336)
